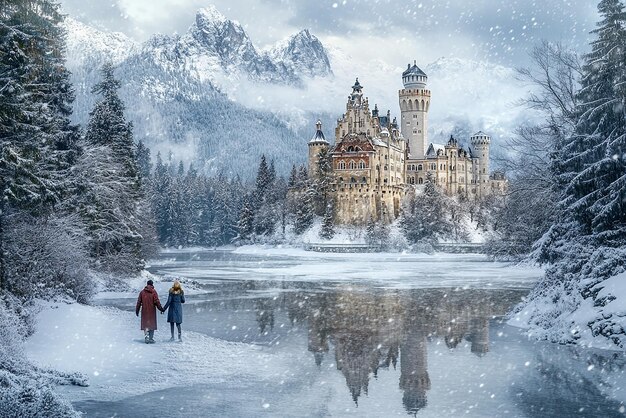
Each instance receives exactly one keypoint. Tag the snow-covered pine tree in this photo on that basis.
(592, 161)
(328, 223)
(110, 209)
(293, 177)
(265, 216)
(323, 181)
(587, 244)
(304, 210)
(425, 216)
(144, 164)
(161, 196)
(246, 221)
(37, 140)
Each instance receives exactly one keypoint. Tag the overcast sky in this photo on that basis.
(396, 31)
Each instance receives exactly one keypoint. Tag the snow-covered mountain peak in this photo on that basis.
(208, 15)
(85, 42)
(304, 53)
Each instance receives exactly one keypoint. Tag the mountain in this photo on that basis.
(304, 54)
(180, 91)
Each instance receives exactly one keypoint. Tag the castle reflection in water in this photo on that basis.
(372, 331)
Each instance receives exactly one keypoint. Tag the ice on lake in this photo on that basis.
(369, 335)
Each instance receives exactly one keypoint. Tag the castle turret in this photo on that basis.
(316, 145)
(480, 143)
(414, 105)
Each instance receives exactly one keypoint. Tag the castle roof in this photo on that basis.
(319, 135)
(413, 70)
(433, 148)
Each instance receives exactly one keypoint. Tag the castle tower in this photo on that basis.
(480, 143)
(414, 105)
(316, 144)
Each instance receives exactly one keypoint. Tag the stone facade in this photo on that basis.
(374, 160)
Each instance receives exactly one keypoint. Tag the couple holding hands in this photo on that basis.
(148, 302)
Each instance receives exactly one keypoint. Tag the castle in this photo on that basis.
(375, 161)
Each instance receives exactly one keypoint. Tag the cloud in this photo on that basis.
(503, 31)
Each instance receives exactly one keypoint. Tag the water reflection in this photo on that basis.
(368, 330)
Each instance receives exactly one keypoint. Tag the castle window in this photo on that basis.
(341, 165)
(340, 179)
(351, 165)
(362, 164)
(414, 116)
(412, 180)
(414, 131)
(483, 171)
(419, 167)
(350, 148)
(364, 180)
(420, 180)
(385, 181)
(386, 167)
(352, 180)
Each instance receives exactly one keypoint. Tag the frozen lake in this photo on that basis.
(373, 335)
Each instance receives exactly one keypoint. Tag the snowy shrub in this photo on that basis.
(48, 258)
(24, 387)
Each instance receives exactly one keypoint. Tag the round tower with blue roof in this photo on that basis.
(414, 104)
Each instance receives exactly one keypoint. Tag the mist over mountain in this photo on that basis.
(209, 96)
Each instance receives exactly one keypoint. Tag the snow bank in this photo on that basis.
(560, 313)
(107, 345)
(27, 390)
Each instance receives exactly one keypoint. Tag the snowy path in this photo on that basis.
(106, 345)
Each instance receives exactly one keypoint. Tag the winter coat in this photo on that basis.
(148, 301)
(174, 302)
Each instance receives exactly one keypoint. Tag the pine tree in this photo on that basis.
(110, 207)
(304, 211)
(246, 222)
(144, 164)
(323, 181)
(328, 223)
(590, 165)
(37, 139)
(593, 163)
(293, 177)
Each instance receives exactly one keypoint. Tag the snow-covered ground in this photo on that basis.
(574, 314)
(107, 345)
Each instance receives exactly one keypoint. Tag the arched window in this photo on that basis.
(352, 180)
(410, 104)
(363, 179)
(386, 167)
(420, 180)
(419, 167)
(341, 165)
(350, 148)
(423, 106)
(340, 179)
(412, 180)
(351, 165)
(361, 165)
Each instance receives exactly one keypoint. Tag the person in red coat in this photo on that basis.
(148, 302)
